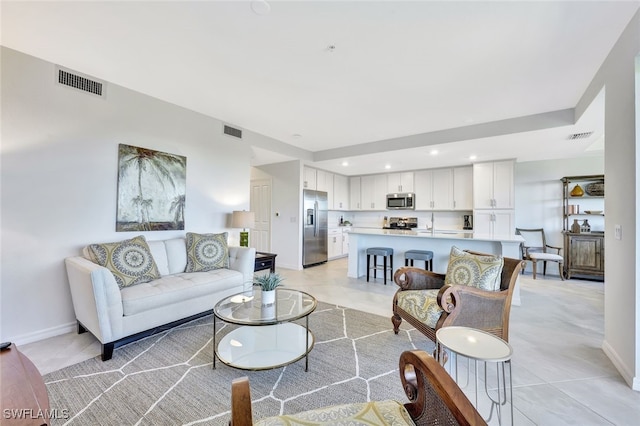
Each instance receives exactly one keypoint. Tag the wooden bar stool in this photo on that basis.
(380, 251)
(425, 255)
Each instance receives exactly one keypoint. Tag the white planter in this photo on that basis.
(268, 311)
(268, 297)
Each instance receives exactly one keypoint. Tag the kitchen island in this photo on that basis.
(439, 242)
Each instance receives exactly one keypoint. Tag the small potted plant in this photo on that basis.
(268, 284)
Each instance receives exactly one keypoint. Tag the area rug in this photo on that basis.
(168, 379)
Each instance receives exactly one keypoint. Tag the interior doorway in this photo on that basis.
(260, 205)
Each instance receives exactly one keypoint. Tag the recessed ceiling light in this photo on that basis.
(472, 157)
(296, 136)
(387, 166)
(260, 7)
(345, 163)
(434, 152)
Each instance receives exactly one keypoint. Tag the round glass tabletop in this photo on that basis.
(247, 308)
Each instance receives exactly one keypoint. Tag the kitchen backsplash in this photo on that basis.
(443, 220)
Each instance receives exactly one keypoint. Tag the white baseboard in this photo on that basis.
(625, 372)
(44, 334)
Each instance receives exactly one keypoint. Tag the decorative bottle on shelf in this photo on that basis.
(577, 191)
(575, 227)
(585, 226)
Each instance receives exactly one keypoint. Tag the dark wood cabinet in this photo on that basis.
(584, 254)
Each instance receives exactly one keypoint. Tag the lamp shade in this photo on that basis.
(242, 219)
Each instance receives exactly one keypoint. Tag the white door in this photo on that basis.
(260, 236)
(463, 188)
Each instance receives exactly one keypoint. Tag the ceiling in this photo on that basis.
(373, 83)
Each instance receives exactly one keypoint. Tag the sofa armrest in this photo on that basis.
(96, 298)
(243, 260)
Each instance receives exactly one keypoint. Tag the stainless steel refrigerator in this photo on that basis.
(314, 235)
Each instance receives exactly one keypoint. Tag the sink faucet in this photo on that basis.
(433, 227)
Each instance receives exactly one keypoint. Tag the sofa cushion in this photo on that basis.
(480, 271)
(366, 413)
(206, 252)
(172, 289)
(422, 305)
(170, 255)
(130, 261)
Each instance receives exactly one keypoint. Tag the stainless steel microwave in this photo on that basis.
(403, 201)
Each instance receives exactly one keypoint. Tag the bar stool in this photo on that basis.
(425, 255)
(380, 251)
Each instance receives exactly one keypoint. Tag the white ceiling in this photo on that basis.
(494, 79)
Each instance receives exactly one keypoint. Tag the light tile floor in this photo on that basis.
(561, 376)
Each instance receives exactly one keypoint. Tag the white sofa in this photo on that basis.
(118, 316)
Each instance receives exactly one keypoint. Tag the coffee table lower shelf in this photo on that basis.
(266, 347)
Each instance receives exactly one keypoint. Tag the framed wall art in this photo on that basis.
(151, 190)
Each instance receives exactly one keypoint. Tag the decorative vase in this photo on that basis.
(577, 191)
(585, 226)
(575, 228)
(268, 297)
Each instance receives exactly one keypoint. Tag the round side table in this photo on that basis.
(479, 346)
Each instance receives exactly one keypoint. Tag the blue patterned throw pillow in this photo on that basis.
(206, 252)
(474, 270)
(130, 261)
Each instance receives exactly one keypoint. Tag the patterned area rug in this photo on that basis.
(167, 379)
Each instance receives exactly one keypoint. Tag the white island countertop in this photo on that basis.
(439, 242)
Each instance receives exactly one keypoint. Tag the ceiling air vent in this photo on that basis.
(232, 131)
(81, 83)
(583, 135)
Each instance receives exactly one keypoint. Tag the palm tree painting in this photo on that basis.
(151, 190)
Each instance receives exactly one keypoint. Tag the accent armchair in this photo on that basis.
(435, 399)
(429, 301)
(535, 248)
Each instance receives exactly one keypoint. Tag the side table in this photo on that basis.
(24, 395)
(479, 346)
(265, 261)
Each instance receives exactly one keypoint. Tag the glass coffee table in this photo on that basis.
(267, 337)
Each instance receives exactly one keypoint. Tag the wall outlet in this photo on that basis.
(618, 232)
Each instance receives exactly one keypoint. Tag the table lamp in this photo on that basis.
(243, 219)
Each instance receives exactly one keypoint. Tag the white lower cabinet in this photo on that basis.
(337, 243)
(494, 222)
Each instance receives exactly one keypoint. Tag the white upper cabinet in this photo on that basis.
(340, 192)
(354, 193)
(324, 181)
(493, 186)
(309, 178)
(434, 189)
(400, 182)
(463, 188)
(373, 192)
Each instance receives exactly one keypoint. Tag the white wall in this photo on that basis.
(538, 191)
(622, 188)
(286, 206)
(59, 181)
